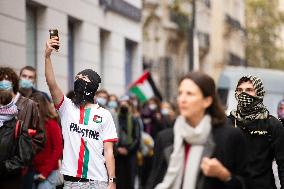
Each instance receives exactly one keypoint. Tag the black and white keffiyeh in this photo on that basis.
(8, 112)
(251, 107)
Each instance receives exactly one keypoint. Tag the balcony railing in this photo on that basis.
(181, 19)
(204, 43)
(204, 39)
(233, 23)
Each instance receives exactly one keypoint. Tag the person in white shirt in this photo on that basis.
(88, 130)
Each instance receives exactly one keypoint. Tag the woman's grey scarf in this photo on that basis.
(251, 107)
(196, 137)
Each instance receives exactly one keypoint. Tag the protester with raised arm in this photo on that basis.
(88, 130)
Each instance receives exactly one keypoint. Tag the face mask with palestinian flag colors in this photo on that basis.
(84, 131)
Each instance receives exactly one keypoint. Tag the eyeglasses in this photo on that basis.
(246, 90)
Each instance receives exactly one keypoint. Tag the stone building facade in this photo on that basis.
(104, 35)
(219, 38)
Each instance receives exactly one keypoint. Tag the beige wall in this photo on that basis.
(222, 44)
(281, 8)
(91, 19)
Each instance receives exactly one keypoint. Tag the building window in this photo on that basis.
(235, 60)
(31, 36)
(207, 3)
(104, 50)
(130, 47)
(71, 36)
(204, 43)
(223, 96)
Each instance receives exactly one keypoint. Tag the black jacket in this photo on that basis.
(123, 132)
(265, 138)
(230, 149)
(282, 121)
(162, 151)
(15, 149)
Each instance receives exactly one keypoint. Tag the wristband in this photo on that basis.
(113, 180)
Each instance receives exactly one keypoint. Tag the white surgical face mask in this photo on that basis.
(135, 103)
(152, 106)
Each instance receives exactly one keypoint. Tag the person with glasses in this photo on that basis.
(264, 133)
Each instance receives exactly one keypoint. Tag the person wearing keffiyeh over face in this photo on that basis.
(264, 133)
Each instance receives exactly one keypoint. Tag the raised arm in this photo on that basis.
(55, 91)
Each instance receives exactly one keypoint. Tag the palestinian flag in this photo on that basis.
(144, 88)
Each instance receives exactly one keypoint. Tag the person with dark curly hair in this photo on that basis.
(24, 109)
(27, 109)
(264, 133)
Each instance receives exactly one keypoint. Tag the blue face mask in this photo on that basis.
(26, 84)
(112, 104)
(101, 101)
(165, 111)
(6, 85)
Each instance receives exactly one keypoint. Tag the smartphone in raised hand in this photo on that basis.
(54, 33)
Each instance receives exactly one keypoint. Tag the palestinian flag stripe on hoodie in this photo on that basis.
(83, 160)
(84, 116)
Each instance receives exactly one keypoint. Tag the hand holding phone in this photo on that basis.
(54, 33)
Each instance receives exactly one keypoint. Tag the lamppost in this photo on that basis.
(191, 31)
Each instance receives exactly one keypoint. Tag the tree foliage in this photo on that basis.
(264, 22)
(180, 17)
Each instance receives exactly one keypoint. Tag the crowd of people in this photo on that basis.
(89, 138)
